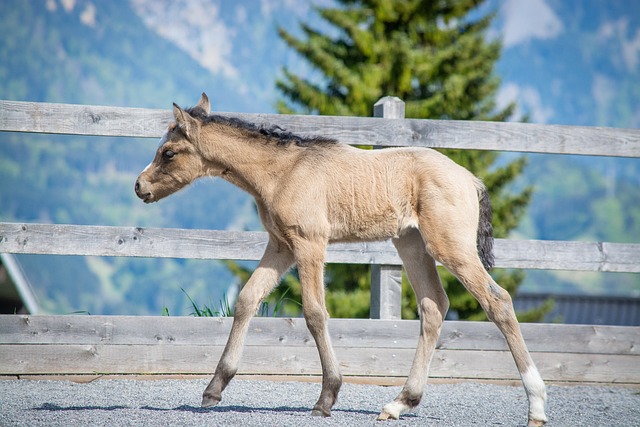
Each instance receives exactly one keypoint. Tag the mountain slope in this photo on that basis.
(51, 54)
(577, 63)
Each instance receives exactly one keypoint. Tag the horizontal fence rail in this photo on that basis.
(215, 244)
(43, 345)
(18, 116)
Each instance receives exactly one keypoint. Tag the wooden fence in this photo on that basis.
(367, 347)
(382, 349)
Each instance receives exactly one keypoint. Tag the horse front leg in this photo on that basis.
(275, 262)
(310, 260)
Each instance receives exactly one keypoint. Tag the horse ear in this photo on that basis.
(178, 113)
(204, 103)
(184, 120)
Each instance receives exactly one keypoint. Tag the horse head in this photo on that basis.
(177, 161)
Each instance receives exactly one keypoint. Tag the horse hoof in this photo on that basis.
(320, 413)
(384, 416)
(536, 423)
(209, 401)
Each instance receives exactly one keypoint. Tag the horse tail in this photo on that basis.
(485, 229)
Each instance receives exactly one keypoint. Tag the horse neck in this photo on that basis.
(252, 165)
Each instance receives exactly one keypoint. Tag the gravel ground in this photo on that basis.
(249, 403)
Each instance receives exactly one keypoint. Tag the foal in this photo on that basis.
(430, 207)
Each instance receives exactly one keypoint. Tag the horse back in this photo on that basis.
(347, 194)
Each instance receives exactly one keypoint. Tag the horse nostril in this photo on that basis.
(137, 187)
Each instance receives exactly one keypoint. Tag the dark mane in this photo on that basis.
(274, 133)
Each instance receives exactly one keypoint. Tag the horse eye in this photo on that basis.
(168, 154)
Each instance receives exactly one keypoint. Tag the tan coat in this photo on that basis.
(313, 191)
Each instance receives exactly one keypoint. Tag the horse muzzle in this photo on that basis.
(145, 196)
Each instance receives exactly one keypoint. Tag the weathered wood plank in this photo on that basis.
(568, 255)
(552, 366)
(130, 241)
(287, 332)
(386, 292)
(39, 117)
(386, 280)
(19, 116)
(157, 345)
(213, 244)
(59, 239)
(189, 359)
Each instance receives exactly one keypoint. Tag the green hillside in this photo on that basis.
(51, 56)
(577, 63)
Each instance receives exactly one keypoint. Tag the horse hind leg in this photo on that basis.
(462, 260)
(432, 305)
(498, 305)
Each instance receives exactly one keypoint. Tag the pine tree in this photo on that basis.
(434, 55)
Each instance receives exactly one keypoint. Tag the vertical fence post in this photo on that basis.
(386, 280)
